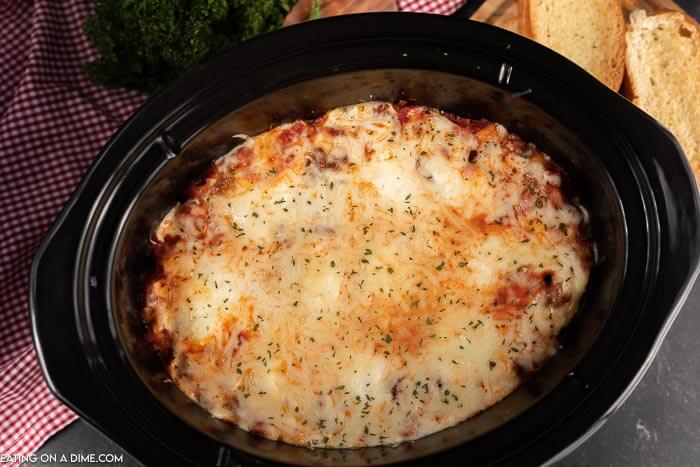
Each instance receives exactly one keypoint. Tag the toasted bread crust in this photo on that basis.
(645, 95)
(612, 53)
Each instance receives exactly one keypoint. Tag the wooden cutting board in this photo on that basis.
(501, 13)
(504, 13)
(302, 9)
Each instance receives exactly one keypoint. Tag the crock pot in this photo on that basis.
(86, 278)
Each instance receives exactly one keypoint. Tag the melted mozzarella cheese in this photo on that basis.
(367, 278)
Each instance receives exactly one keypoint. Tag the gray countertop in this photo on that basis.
(658, 425)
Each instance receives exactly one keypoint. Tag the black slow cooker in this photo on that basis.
(629, 172)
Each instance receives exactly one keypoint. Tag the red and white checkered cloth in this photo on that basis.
(440, 7)
(52, 123)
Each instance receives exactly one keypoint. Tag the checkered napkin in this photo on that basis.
(52, 123)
